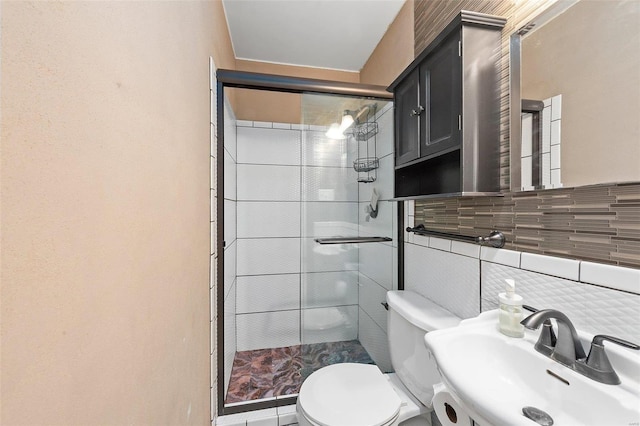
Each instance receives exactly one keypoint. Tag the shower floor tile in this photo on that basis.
(266, 373)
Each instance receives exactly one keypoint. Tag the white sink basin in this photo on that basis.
(494, 376)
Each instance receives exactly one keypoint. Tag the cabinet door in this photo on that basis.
(441, 91)
(407, 121)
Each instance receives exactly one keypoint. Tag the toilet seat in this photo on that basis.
(349, 394)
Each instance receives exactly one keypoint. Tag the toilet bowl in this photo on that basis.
(360, 394)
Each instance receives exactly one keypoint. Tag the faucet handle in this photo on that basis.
(547, 339)
(597, 340)
(597, 362)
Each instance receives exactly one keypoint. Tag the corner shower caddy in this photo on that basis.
(367, 164)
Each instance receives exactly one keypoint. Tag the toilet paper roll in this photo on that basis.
(449, 412)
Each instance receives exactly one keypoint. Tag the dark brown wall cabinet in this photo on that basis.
(447, 112)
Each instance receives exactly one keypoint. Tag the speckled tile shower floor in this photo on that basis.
(266, 373)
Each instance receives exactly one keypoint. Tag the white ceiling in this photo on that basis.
(335, 34)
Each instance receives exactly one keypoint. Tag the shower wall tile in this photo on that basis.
(230, 177)
(382, 225)
(329, 219)
(429, 272)
(257, 256)
(385, 180)
(374, 340)
(334, 324)
(230, 215)
(328, 258)
(229, 333)
(268, 219)
(324, 289)
(268, 146)
(230, 132)
(384, 138)
(230, 262)
(262, 293)
(371, 297)
(329, 184)
(268, 330)
(318, 150)
(268, 183)
(376, 263)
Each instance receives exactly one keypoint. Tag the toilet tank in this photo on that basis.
(410, 317)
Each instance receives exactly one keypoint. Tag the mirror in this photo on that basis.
(575, 108)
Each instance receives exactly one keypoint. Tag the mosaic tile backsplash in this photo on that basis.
(599, 223)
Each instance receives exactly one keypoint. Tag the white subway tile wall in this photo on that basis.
(327, 219)
(323, 289)
(257, 182)
(450, 280)
(268, 330)
(374, 340)
(550, 265)
(331, 324)
(263, 293)
(376, 263)
(372, 295)
(276, 146)
(260, 256)
(626, 279)
(598, 298)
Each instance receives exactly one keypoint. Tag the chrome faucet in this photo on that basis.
(568, 347)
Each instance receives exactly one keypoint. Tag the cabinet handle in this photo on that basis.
(413, 112)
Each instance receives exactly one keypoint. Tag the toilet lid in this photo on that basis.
(349, 394)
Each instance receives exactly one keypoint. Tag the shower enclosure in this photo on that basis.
(307, 246)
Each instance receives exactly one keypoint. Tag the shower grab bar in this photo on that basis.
(351, 240)
(494, 239)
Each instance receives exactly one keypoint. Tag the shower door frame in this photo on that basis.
(277, 83)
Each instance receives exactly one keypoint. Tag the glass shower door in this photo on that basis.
(331, 209)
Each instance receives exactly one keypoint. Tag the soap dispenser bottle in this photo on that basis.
(510, 311)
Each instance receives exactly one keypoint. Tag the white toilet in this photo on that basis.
(360, 395)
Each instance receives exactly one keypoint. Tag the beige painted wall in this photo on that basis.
(223, 54)
(596, 69)
(105, 212)
(394, 51)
